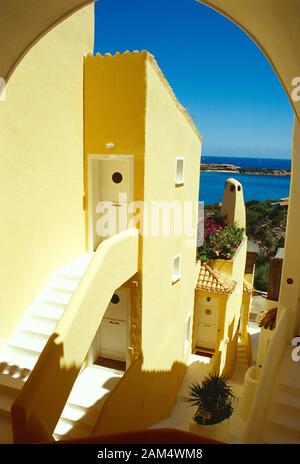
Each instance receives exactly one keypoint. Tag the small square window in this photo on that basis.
(179, 175)
(176, 269)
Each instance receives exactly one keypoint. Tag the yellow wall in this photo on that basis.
(127, 96)
(246, 303)
(41, 181)
(114, 109)
(234, 302)
(233, 206)
(289, 292)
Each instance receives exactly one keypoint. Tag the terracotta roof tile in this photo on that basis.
(268, 319)
(210, 280)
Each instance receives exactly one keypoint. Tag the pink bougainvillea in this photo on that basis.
(211, 226)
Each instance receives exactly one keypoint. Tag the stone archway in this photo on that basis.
(260, 19)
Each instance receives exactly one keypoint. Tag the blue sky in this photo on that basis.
(215, 70)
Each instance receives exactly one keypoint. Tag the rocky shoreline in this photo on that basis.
(231, 168)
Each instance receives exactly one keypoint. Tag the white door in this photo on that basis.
(112, 338)
(207, 321)
(206, 336)
(110, 191)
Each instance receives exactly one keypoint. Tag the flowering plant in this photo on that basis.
(211, 226)
(221, 244)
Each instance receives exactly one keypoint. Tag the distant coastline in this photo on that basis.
(258, 179)
(231, 168)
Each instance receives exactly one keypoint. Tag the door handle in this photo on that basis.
(114, 322)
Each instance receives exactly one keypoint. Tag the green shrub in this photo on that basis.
(213, 399)
(261, 276)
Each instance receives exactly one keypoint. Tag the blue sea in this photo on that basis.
(255, 187)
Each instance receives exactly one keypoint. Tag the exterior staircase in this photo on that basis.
(31, 335)
(283, 423)
(85, 402)
(241, 362)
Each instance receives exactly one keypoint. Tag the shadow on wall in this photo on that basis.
(139, 400)
(231, 350)
(150, 397)
(41, 401)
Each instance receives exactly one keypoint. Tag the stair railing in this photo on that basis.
(262, 399)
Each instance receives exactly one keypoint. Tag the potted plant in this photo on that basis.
(213, 399)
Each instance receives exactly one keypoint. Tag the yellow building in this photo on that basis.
(220, 290)
(41, 56)
(148, 152)
(248, 290)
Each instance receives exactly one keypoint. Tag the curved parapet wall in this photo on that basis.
(22, 26)
(272, 24)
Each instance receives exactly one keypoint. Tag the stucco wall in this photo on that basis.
(169, 134)
(114, 112)
(141, 117)
(41, 177)
(290, 280)
(233, 308)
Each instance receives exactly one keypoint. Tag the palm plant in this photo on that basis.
(213, 399)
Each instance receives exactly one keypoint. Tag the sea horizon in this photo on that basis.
(247, 156)
(255, 186)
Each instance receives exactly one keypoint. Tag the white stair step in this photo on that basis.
(68, 429)
(77, 268)
(92, 385)
(288, 396)
(47, 310)
(285, 416)
(38, 325)
(29, 341)
(12, 376)
(75, 413)
(55, 296)
(289, 374)
(62, 282)
(20, 357)
(85, 398)
(280, 435)
(6, 436)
